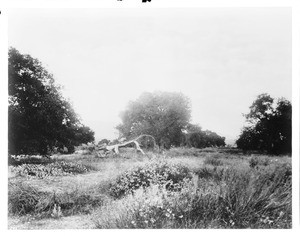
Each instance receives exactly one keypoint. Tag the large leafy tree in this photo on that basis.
(40, 118)
(163, 115)
(269, 126)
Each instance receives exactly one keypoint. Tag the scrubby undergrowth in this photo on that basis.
(158, 172)
(222, 191)
(213, 198)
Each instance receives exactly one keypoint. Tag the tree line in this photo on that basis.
(40, 119)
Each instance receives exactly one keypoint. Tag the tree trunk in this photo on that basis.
(115, 148)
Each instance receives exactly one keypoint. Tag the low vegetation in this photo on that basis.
(41, 168)
(213, 198)
(213, 160)
(156, 172)
(24, 199)
(192, 190)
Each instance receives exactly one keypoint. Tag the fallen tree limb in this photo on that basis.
(115, 148)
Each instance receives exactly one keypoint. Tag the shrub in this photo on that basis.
(159, 172)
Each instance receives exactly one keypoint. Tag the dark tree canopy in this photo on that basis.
(196, 137)
(163, 115)
(269, 126)
(39, 117)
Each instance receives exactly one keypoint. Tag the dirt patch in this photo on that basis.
(70, 222)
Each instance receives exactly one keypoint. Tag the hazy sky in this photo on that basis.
(220, 58)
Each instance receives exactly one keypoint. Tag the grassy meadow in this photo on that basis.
(178, 188)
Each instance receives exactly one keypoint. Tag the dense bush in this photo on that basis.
(160, 172)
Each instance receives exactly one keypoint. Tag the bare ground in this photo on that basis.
(70, 222)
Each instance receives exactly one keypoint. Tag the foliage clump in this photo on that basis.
(160, 172)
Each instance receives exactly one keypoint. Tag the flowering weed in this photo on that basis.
(158, 172)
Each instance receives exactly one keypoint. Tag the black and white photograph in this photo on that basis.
(150, 118)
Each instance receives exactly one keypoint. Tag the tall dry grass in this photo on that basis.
(216, 197)
(195, 190)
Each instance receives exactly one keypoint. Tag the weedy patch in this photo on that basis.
(145, 208)
(161, 192)
(59, 168)
(24, 199)
(15, 160)
(157, 172)
(239, 199)
(214, 160)
(208, 172)
(256, 161)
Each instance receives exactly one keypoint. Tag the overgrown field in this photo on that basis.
(180, 188)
